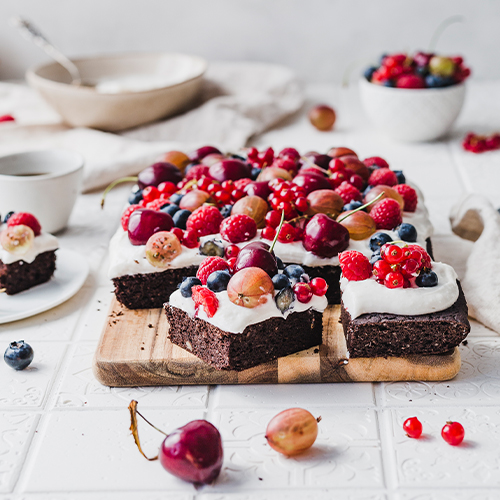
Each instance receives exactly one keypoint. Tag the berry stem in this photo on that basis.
(311, 164)
(115, 183)
(361, 207)
(440, 29)
(277, 231)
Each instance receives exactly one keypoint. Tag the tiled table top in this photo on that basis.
(65, 436)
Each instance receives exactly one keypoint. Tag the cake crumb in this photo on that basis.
(465, 342)
(150, 325)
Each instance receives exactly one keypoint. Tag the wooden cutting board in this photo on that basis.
(134, 351)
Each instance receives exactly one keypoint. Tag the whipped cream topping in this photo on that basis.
(44, 242)
(368, 296)
(232, 318)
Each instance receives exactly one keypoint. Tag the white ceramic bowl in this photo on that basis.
(174, 81)
(44, 183)
(412, 115)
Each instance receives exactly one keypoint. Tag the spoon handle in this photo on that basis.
(29, 31)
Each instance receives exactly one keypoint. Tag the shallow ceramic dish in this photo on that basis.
(412, 115)
(121, 91)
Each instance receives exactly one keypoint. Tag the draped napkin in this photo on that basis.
(238, 101)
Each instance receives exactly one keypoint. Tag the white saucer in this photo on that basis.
(71, 272)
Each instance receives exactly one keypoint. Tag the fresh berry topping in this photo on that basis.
(273, 218)
(268, 233)
(287, 233)
(18, 239)
(407, 232)
(375, 162)
(238, 228)
(206, 298)
(386, 214)
(453, 433)
(162, 248)
(418, 253)
(383, 176)
(325, 237)
(280, 281)
(187, 284)
(284, 299)
(135, 197)
(204, 220)
(156, 204)
(392, 254)
(231, 262)
(250, 287)
(318, 286)
(394, 280)
(381, 269)
(212, 248)
(413, 427)
(26, 219)
(197, 172)
(190, 239)
(232, 251)
(410, 82)
(210, 265)
(180, 219)
(303, 292)
(348, 192)
(355, 266)
(409, 196)
(352, 206)
(293, 272)
(427, 279)
(410, 268)
(170, 209)
(150, 193)
(378, 240)
(218, 280)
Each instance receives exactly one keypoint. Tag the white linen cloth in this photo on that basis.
(238, 100)
(474, 218)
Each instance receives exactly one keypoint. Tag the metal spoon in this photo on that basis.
(32, 33)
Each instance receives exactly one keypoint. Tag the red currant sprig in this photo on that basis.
(480, 144)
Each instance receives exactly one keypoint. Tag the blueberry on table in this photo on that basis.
(187, 284)
(18, 355)
(407, 232)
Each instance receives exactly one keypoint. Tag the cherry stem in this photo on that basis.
(115, 183)
(440, 29)
(277, 231)
(361, 207)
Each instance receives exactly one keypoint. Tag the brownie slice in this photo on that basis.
(382, 335)
(152, 290)
(258, 343)
(21, 275)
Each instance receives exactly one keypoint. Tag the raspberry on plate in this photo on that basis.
(355, 266)
(387, 214)
(205, 297)
(384, 176)
(25, 219)
(409, 196)
(348, 192)
(238, 228)
(210, 265)
(204, 220)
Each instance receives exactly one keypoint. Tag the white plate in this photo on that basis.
(71, 272)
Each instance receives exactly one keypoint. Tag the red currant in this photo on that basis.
(273, 218)
(286, 206)
(268, 233)
(381, 269)
(337, 179)
(275, 184)
(303, 292)
(150, 193)
(413, 427)
(356, 181)
(394, 280)
(252, 153)
(222, 196)
(237, 194)
(301, 204)
(227, 186)
(392, 254)
(318, 286)
(231, 262)
(213, 187)
(232, 251)
(286, 194)
(410, 267)
(287, 233)
(167, 187)
(336, 165)
(298, 190)
(453, 433)
(204, 183)
(179, 233)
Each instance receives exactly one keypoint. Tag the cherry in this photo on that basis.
(157, 173)
(143, 223)
(325, 237)
(200, 153)
(319, 159)
(453, 433)
(311, 181)
(258, 188)
(229, 170)
(257, 254)
(413, 427)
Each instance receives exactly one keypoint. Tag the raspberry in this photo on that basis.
(386, 214)
(126, 215)
(355, 266)
(205, 297)
(410, 82)
(156, 204)
(204, 220)
(238, 228)
(210, 265)
(25, 219)
(409, 196)
(348, 192)
(7, 118)
(383, 176)
(197, 172)
(375, 162)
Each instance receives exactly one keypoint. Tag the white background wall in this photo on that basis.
(317, 38)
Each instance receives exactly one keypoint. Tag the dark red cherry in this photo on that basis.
(257, 254)
(310, 182)
(260, 188)
(229, 170)
(319, 159)
(193, 452)
(325, 237)
(143, 223)
(200, 153)
(157, 173)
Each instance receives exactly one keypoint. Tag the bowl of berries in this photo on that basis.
(414, 98)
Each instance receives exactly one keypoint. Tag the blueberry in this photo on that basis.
(427, 279)
(180, 218)
(422, 71)
(135, 197)
(284, 299)
(281, 281)
(400, 176)
(378, 240)
(255, 173)
(176, 198)
(8, 216)
(375, 257)
(388, 83)
(367, 189)
(238, 157)
(281, 266)
(294, 272)
(218, 280)
(407, 232)
(170, 209)
(352, 205)
(18, 355)
(212, 248)
(226, 210)
(437, 81)
(368, 73)
(187, 284)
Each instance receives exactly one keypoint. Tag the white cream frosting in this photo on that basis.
(232, 318)
(368, 296)
(44, 242)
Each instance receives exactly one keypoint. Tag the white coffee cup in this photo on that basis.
(44, 183)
